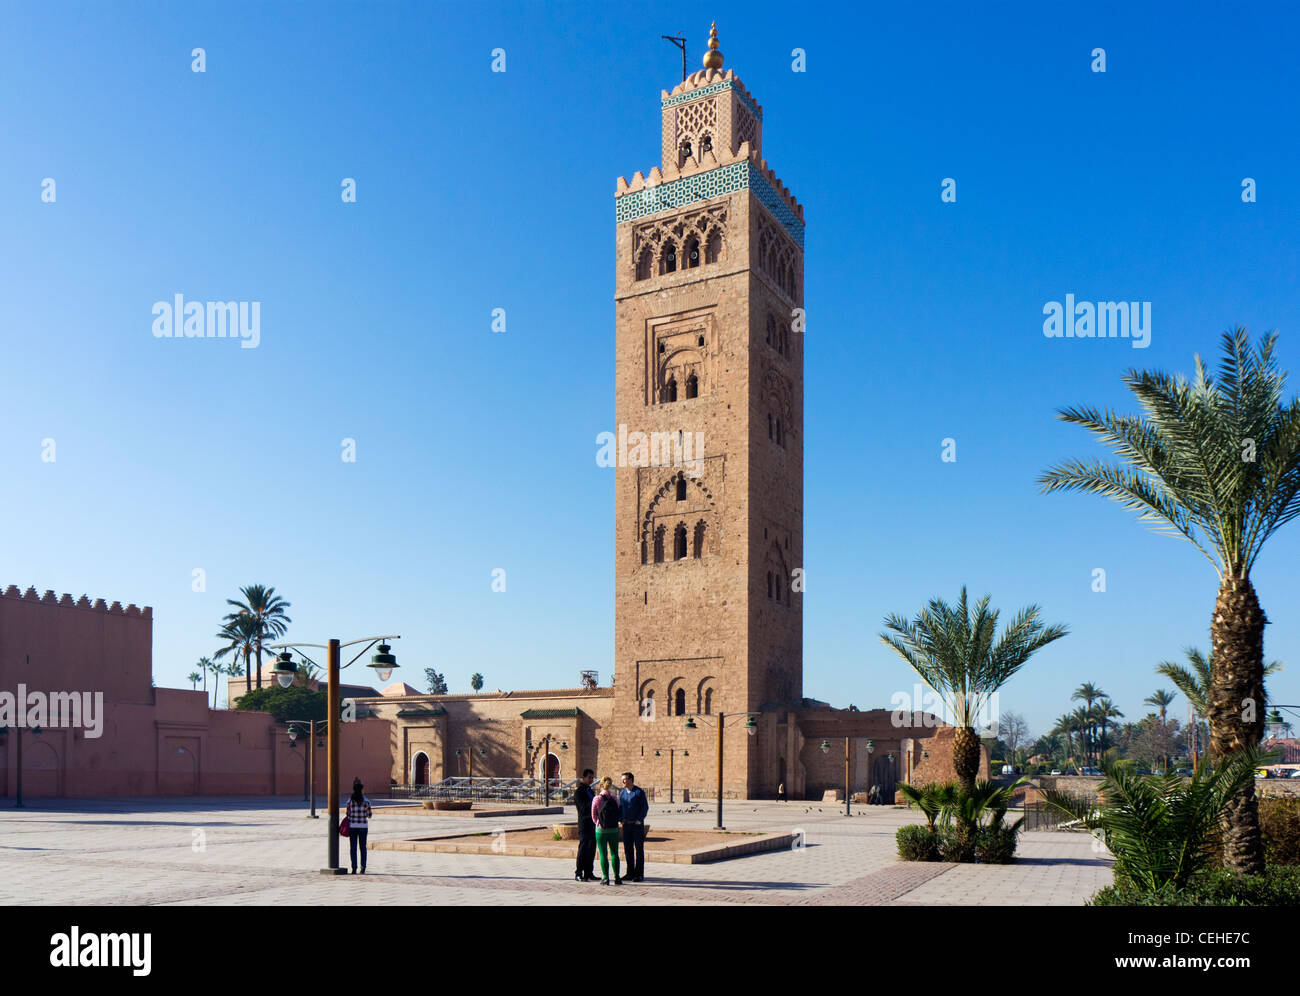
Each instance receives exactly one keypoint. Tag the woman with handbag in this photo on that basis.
(358, 820)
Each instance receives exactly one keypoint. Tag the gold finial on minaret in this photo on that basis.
(713, 58)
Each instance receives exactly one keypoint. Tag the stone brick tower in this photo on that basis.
(709, 508)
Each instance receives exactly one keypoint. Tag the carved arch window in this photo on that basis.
(713, 246)
(692, 253)
(645, 264)
(668, 258)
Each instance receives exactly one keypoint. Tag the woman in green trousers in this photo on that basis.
(605, 814)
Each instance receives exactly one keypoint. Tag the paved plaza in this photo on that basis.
(259, 851)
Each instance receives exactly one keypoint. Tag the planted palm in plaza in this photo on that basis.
(1218, 463)
(956, 651)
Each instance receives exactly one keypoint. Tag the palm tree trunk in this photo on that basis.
(259, 662)
(1236, 709)
(966, 756)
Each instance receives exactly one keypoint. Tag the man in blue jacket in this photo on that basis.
(635, 808)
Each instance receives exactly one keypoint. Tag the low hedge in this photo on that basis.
(1279, 823)
(986, 845)
(1278, 886)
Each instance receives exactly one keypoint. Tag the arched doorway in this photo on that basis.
(421, 768)
(552, 767)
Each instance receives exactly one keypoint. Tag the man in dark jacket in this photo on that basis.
(586, 870)
(635, 807)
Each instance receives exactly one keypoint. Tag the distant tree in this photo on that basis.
(266, 610)
(1103, 712)
(436, 682)
(240, 633)
(205, 665)
(1014, 729)
(476, 681)
(234, 670)
(1088, 693)
(194, 677)
(294, 702)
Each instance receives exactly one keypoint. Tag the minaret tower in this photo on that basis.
(708, 546)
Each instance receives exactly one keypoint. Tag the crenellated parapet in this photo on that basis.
(66, 601)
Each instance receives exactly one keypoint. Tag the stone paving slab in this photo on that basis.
(260, 851)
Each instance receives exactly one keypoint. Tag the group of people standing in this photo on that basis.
(603, 817)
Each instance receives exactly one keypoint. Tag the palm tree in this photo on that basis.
(1065, 727)
(955, 653)
(267, 611)
(241, 635)
(1103, 712)
(194, 677)
(217, 670)
(1082, 720)
(204, 665)
(1162, 700)
(1218, 463)
(1088, 693)
(476, 681)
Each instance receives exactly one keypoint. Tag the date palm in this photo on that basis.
(1088, 693)
(1216, 461)
(217, 669)
(1102, 713)
(1162, 700)
(241, 635)
(1082, 720)
(204, 664)
(267, 611)
(1066, 727)
(956, 651)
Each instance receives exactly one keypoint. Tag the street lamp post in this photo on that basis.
(313, 731)
(750, 727)
(383, 663)
(470, 751)
(671, 752)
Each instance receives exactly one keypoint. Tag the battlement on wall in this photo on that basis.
(66, 601)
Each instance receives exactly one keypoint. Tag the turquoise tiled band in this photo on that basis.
(702, 187)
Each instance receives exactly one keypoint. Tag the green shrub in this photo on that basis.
(996, 845)
(957, 844)
(962, 825)
(917, 843)
(1279, 821)
(1278, 886)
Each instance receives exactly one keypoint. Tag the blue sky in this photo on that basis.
(480, 190)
